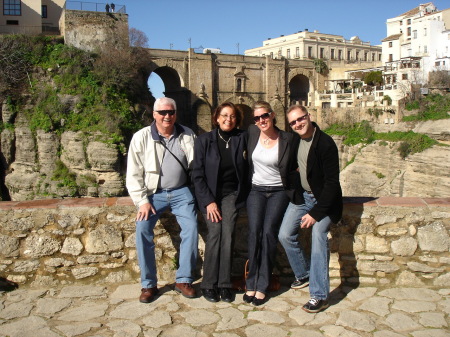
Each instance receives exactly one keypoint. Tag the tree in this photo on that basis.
(373, 78)
(320, 66)
(439, 79)
(138, 38)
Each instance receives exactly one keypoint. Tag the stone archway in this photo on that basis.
(299, 89)
(173, 88)
(203, 111)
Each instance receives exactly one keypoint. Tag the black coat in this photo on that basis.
(206, 166)
(323, 177)
(287, 160)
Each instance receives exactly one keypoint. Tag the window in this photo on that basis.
(401, 22)
(297, 51)
(357, 55)
(279, 53)
(409, 31)
(379, 57)
(288, 53)
(373, 56)
(332, 54)
(310, 52)
(424, 32)
(12, 22)
(322, 53)
(409, 21)
(390, 44)
(365, 57)
(44, 11)
(404, 76)
(425, 49)
(12, 7)
(391, 58)
(414, 34)
(349, 54)
(437, 64)
(271, 55)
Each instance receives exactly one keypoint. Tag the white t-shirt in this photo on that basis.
(265, 166)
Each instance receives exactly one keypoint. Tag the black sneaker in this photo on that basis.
(299, 284)
(315, 305)
(226, 295)
(210, 295)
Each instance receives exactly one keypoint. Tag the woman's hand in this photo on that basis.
(213, 212)
(307, 221)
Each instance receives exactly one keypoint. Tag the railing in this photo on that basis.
(94, 7)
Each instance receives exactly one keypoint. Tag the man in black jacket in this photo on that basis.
(322, 205)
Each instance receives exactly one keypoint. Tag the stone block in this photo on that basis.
(405, 246)
(103, 239)
(41, 245)
(406, 278)
(84, 272)
(9, 246)
(433, 237)
(375, 244)
(72, 246)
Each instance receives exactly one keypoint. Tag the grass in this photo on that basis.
(362, 133)
(432, 107)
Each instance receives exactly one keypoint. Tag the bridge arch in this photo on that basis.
(300, 83)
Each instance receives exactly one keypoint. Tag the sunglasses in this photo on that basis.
(292, 123)
(165, 112)
(263, 116)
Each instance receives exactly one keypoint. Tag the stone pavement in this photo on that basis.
(99, 310)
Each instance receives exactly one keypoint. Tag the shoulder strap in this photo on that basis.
(176, 158)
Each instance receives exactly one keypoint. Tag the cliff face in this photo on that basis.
(378, 170)
(46, 165)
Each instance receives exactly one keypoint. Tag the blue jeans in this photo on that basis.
(315, 267)
(182, 203)
(265, 208)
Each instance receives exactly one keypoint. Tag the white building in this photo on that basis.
(311, 45)
(417, 43)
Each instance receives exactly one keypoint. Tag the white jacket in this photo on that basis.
(145, 158)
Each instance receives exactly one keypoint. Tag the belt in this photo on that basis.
(309, 192)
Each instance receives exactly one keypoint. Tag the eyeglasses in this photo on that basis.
(165, 112)
(263, 116)
(292, 123)
(232, 117)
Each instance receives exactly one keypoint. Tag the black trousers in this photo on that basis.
(219, 246)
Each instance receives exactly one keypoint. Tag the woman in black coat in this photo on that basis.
(220, 177)
(274, 182)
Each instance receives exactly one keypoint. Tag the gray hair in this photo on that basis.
(164, 101)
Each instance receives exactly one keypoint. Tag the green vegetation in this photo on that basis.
(388, 99)
(373, 78)
(362, 133)
(64, 177)
(70, 89)
(320, 66)
(375, 112)
(431, 107)
(379, 174)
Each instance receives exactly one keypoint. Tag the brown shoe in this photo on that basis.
(148, 294)
(185, 289)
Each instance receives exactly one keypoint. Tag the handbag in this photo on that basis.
(239, 283)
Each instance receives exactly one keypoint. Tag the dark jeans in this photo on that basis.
(265, 208)
(219, 246)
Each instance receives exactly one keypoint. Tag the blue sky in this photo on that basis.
(234, 26)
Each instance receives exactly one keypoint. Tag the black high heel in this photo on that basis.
(259, 301)
(248, 299)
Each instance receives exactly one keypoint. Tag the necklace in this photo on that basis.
(266, 141)
(226, 141)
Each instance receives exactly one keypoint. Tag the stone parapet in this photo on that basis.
(380, 241)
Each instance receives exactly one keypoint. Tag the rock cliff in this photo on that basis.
(378, 170)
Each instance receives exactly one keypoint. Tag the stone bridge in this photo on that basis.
(201, 82)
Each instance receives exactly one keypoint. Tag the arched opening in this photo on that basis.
(299, 89)
(247, 115)
(156, 85)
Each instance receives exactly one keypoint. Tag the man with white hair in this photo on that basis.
(159, 159)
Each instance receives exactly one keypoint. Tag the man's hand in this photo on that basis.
(307, 221)
(144, 211)
(213, 212)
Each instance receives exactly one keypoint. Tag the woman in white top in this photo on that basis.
(273, 165)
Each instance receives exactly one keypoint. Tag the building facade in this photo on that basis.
(418, 43)
(31, 17)
(316, 45)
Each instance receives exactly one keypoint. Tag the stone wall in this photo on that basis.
(380, 241)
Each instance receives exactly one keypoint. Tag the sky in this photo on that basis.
(236, 25)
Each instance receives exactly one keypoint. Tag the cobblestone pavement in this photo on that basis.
(115, 311)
